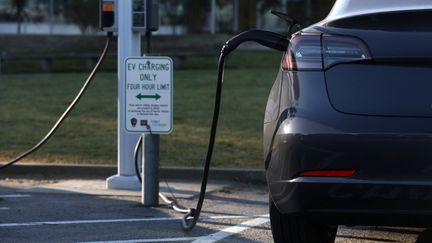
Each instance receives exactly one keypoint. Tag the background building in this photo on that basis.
(72, 17)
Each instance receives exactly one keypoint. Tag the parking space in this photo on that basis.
(56, 211)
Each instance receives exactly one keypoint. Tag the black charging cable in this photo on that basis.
(269, 39)
(68, 109)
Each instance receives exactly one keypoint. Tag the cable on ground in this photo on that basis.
(68, 109)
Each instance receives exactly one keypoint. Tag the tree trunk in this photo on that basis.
(247, 14)
(195, 19)
(82, 28)
(19, 17)
(19, 5)
(19, 21)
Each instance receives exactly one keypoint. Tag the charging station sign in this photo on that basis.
(149, 95)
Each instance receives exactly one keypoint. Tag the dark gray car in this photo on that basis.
(348, 125)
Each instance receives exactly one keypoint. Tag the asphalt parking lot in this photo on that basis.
(77, 210)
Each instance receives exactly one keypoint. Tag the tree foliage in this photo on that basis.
(247, 14)
(196, 15)
(307, 12)
(173, 13)
(84, 13)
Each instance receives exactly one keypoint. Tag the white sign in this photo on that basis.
(149, 92)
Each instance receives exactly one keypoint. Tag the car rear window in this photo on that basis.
(407, 21)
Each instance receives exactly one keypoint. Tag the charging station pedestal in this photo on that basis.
(130, 18)
(129, 44)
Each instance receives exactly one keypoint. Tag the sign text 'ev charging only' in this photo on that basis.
(149, 92)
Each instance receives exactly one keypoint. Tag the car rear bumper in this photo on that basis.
(392, 183)
(357, 202)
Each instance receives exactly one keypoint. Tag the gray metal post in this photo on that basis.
(129, 44)
(213, 17)
(1, 63)
(283, 6)
(150, 170)
(51, 17)
(258, 21)
(235, 16)
(150, 155)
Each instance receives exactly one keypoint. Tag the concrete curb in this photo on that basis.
(193, 173)
(59, 171)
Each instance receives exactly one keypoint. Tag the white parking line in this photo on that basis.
(147, 240)
(102, 221)
(15, 196)
(233, 230)
(256, 221)
(4, 208)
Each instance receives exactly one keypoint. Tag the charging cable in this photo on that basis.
(68, 109)
(269, 39)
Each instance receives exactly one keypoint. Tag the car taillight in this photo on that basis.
(319, 52)
(327, 173)
(304, 53)
(340, 49)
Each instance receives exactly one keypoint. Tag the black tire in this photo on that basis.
(287, 228)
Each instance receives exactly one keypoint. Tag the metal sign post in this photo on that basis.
(148, 107)
(129, 44)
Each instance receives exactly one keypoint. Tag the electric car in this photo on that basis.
(348, 124)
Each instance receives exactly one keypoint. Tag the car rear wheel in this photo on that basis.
(287, 228)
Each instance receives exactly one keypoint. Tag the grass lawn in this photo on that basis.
(31, 103)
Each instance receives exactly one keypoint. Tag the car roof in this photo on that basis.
(346, 8)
